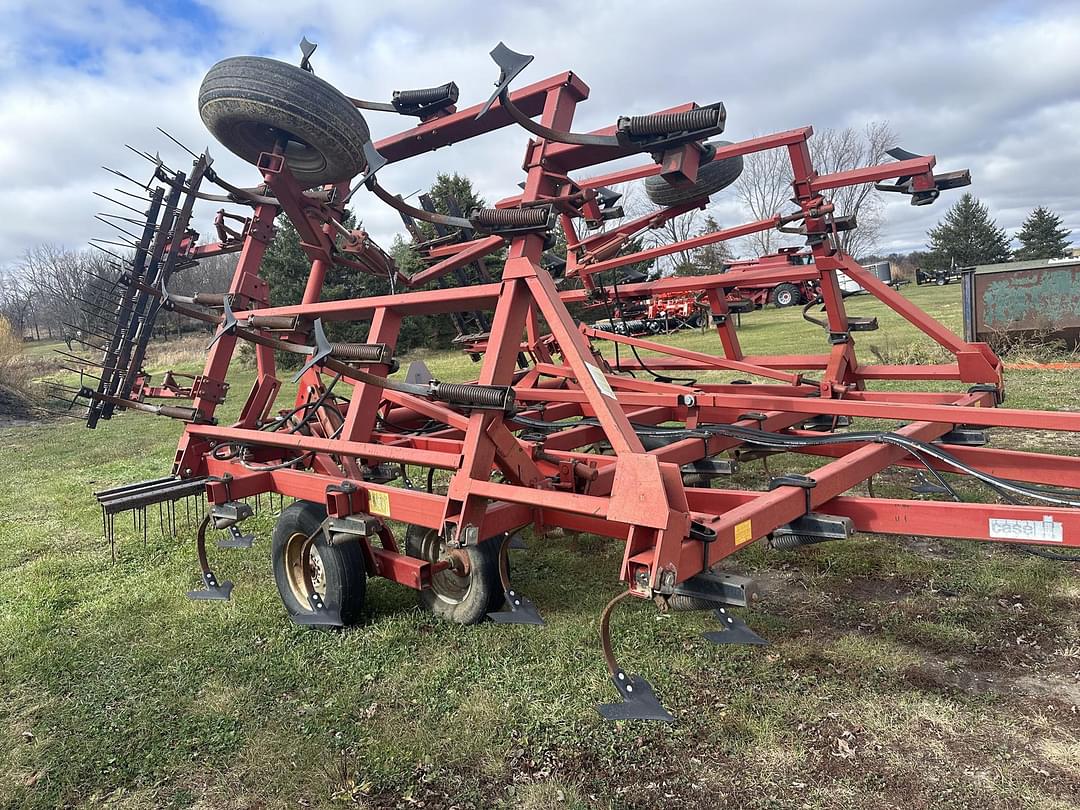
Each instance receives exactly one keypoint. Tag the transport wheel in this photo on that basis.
(786, 295)
(941, 281)
(711, 178)
(337, 572)
(465, 593)
(250, 102)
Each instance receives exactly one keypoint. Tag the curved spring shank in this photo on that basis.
(200, 547)
(415, 213)
(511, 64)
(605, 633)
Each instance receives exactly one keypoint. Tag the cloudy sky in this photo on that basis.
(993, 87)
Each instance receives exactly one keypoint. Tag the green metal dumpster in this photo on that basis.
(1019, 299)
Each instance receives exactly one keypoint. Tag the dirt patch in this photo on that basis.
(1043, 689)
(15, 411)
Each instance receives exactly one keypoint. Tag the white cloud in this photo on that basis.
(990, 87)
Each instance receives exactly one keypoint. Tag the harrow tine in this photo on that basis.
(89, 345)
(155, 159)
(80, 372)
(105, 250)
(86, 329)
(114, 225)
(171, 138)
(130, 194)
(76, 358)
(112, 281)
(95, 306)
(129, 179)
(130, 245)
(117, 202)
(102, 291)
(119, 216)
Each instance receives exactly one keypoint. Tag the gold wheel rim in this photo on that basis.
(296, 548)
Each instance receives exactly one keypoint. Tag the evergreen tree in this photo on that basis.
(707, 260)
(967, 236)
(1042, 237)
(285, 268)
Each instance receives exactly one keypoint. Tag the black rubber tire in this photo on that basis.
(342, 565)
(464, 600)
(786, 295)
(248, 101)
(941, 281)
(711, 178)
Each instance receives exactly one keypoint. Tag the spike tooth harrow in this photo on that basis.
(556, 432)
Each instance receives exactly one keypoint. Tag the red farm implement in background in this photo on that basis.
(553, 432)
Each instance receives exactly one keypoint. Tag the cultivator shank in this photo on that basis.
(557, 430)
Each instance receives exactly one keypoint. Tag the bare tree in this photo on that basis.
(765, 184)
(838, 150)
(57, 279)
(763, 188)
(679, 229)
(709, 259)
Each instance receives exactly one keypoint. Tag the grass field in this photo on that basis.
(902, 673)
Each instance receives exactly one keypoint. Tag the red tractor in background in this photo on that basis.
(780, 294)
(664, 312)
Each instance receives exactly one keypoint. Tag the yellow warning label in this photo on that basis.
(744, 533)
(379, 503)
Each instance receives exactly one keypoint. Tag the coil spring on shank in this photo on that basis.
(665, 123)
(475, 396)
(426, 95)
(786, 542)
(360, 352)
(510, 217)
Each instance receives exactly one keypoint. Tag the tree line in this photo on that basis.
(42, 296)
(49, 295)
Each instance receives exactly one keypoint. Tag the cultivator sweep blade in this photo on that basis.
(567, 428)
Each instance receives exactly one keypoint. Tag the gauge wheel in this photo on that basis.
(337, 571)
(251, 103)
(467, 591)
(712, 177)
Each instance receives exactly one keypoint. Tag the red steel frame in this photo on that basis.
(630, 493)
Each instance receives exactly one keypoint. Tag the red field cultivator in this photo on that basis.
(552, 433)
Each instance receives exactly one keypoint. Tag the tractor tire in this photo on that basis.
(338, 571)
(941, 281)
(711, 178)
(786, 295)
(249, 102)
(462, 598)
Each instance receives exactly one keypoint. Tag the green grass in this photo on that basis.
(902, 673)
